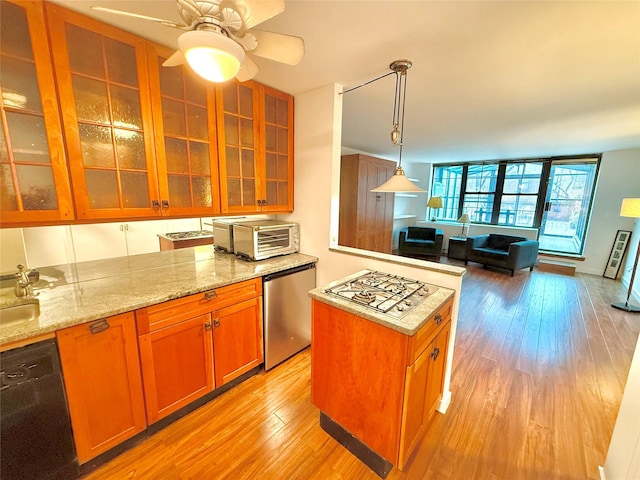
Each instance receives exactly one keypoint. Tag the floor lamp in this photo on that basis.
(630, 208)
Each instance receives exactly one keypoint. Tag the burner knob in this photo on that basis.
(407, 302)
(400, 307)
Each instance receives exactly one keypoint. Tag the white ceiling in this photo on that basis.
(490, 79)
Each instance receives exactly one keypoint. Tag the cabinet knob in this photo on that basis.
(216, 322)
(435, 353)
(155, 204)
(207, 326)
(165, 203)
(438, 319)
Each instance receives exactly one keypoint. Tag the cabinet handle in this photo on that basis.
(165, 203)
(99, 326)
(438, 319)
(155, 204)
(435, 353)
(210, 295)
(216, 322)
(207, 326)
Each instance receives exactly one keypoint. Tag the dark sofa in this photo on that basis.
(420, 242)
(502, 251)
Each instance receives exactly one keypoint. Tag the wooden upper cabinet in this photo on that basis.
(277, 113)
(34, 186)
(184, 119)
(255, 126)
(239, 146)
(103, 87)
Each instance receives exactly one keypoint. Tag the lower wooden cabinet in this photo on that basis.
(424, 381)
(237, 339)
(101, 371)
(177, 365)
(194, 344)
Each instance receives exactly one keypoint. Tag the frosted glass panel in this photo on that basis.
(173, 117)
(231, 130)
(246, 132)
(135, 189)
(196, 88)
(246, 101)
(14, 31)
(283, 193)
(4, 152)
(179, 191)
(37, 188)
(270, 109)
(171, 80)
(230, 97)
(283, 141)
(270, 141)
(130, 149)
(97, 149)
(201, 191)
(125, 103)
(198, 124)
(199, 158)
(176, 154)
(248, 192)
(233, 162)
(283, 167)
(121, 62)
(234, 198)
(20, 85)
(28, 138)
(91, 100)
(248, 163)
(272, 192)
(282, 116)
(272, 165)
(8, 201)
(82, 48)
(102, 188)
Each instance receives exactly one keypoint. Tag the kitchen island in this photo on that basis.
(377, 374)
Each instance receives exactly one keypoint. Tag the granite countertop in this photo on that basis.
(82, 292)
(408, 324)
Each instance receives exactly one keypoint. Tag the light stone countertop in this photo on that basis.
(82, 292)
(408, 324)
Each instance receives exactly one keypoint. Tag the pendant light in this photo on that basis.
(399, 183)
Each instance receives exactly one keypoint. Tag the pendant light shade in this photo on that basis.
(211, 55)
(399, 183)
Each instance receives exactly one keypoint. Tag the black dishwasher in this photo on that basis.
(35, 438)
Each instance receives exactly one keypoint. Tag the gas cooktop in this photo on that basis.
(386, 293)
(185, 235)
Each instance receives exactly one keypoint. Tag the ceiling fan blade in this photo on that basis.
(161, 21)
(279, 47)
(248, 70)
(176, 59)
(254, 12)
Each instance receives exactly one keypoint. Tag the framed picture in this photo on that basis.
(618, 250)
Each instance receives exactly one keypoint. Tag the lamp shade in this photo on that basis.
(211, 55)
(464, 218)
(435, 202)
(398, 183)
(630, 207)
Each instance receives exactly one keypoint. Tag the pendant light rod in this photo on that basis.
(366, 83)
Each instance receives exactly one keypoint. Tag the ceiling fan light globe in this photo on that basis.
(212, 55)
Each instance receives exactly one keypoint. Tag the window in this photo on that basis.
(552, 194)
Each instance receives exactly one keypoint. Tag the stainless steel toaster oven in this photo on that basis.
(260, 239)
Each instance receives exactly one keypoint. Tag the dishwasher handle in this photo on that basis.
(301, 268)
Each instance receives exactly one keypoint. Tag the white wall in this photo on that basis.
(619, 178)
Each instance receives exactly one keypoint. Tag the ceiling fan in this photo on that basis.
(220, 38)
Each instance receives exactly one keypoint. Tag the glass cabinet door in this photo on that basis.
(239, 147)
(278, 127)
(185, 134)
(34, 186)
(104, 95)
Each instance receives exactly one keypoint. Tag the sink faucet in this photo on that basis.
(24, 287)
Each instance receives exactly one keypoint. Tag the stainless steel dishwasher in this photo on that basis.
(287, 313)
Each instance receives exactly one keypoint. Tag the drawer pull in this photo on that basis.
(438, 319)
(216, 323)
(435, 353)
(210, 295)
(99, 326)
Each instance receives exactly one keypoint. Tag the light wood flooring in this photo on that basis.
(539, 369)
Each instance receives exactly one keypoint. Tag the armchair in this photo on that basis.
(420, 242)
(502, 251)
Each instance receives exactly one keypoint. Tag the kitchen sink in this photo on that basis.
(25, 311)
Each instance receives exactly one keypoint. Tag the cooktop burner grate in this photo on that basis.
(383, 292)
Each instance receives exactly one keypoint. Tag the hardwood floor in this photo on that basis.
(540, 365)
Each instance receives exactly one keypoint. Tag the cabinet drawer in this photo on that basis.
(424, 336)
(155, 317)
